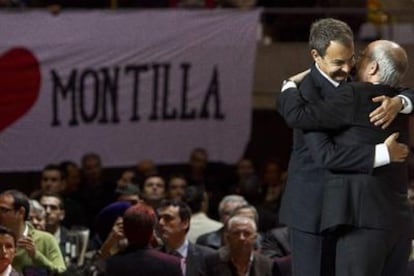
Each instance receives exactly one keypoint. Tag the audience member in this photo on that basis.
(144, 169)
(109, 238)
(7, 252)
(52, 179)
(271, 176)
(55, 213)
(128, 192)
(238, 256)
(36, 250)
(250, 211)
(227, 205)
(200, 171)
(96, 191)
(200, 223)
(197, 167)
(173, 225)
(245, 169)
(37, 215)
(153, 190)
(73, 202)
(138, 258)
(128, 176)
(251, 189)
(73, 177)
(177, 184)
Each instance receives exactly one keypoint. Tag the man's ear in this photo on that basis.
(373, 67)
(186, 224)
(62, 215)
(21, 212)
(315, 55)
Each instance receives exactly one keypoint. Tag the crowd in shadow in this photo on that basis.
(80, 211)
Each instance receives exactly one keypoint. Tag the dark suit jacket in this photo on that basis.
(275, 243)
(143, 262)
(219, 264)
(195, 262)
(375, 200)
(64, 237)
(212, 239)
(301, 206)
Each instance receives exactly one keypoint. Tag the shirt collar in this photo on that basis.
(7, 271)
(183, 249)
(333, 82)
(26, 230)
(57, 235)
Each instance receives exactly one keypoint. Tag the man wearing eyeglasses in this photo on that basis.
(36, 250)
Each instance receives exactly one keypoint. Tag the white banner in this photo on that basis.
(127, 85)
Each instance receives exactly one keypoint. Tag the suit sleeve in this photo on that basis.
(310, 112)
(333, 112)
(408, 93)
(339, 157)
(51, 257)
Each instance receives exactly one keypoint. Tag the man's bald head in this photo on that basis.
(383, 61)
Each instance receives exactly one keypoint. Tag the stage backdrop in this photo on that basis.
(127, 85)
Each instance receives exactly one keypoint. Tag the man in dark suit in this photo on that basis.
(332, 48)
(238, 256)
(367, 214)
(173, 224)
(226, 207)
(139, 259)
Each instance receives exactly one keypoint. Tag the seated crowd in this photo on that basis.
(196, 219)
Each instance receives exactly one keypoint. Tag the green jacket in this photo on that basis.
(47, 255)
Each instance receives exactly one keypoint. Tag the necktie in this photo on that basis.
(182, 260)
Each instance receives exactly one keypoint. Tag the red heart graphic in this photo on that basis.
(19, 84)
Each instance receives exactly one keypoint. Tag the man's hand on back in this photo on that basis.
(385, 114)
(398, 151)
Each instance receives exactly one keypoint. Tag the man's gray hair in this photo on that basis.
(326, 30)
(36, 207)
(231, 198)
(241, 219)
(392, 64)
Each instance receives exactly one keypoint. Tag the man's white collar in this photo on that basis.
(334, 83)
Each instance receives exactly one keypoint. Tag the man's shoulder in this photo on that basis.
(375, 89)
(152, 254)
(41, 234)
(204, 250)
(42, 237)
